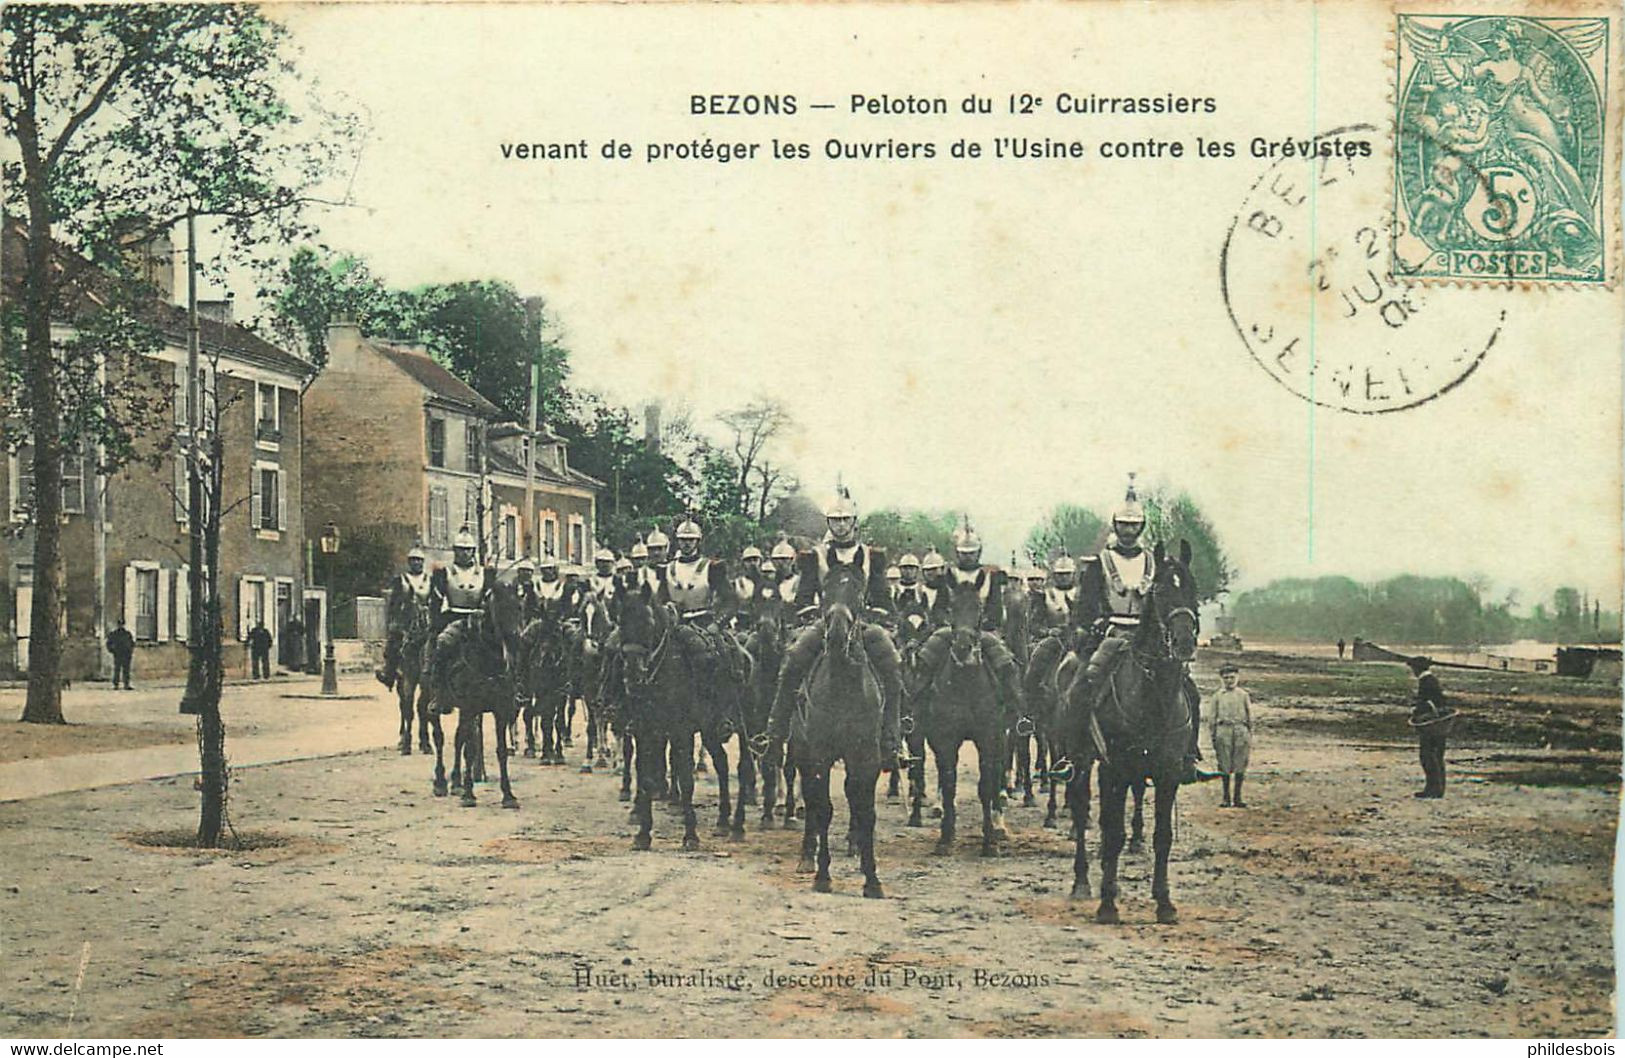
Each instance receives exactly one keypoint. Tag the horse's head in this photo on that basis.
(769, 609)
(642, 627)
(965, 617)
(504, 616)
(1174, 602)
(843, 591)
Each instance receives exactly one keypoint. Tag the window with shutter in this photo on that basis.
(146, 604)
(437, 441)
(22, 489)
(182, 596)
(471, 448)
(256, 503)
(73, 481)
(162, 582)
(439, 517)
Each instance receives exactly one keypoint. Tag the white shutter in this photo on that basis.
(254, 504)
(25, 610)
(259, 405)
(242, 608)
(163, 605)
(130, 591)
(182, 497)
(183, 603)
(281, 500)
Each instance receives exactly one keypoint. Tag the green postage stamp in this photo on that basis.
(1502, 149)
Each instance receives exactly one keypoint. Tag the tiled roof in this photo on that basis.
(503, 462)
(434, 377)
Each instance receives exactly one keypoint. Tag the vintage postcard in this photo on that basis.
(585, 520)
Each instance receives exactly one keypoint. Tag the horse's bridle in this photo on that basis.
(655, 658)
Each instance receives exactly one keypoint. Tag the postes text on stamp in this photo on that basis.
(1501, 148)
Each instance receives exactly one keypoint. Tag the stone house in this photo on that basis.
(125, 536)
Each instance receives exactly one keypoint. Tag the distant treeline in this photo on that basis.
(1414, 610)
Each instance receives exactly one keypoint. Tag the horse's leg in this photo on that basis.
(1080, 838)
(820, 804)
(916, 777)
(626, 765)
(989, 787)
(719, 755)
(860, 794)
(1047, 767)
(592, 736)
(423, 715)
(770, 790)
(668, 771)
(1113, 793)
(470, 732)
(569, 722)
(683, 783)
(1162, 843)
(1136, 840)
(504, 728)
(439, 733)
(737, 828)
(457, 753)
(1024, 769)
(790, 793)
(403, 698)
(646, 746)
(947, 756)
(809, 832)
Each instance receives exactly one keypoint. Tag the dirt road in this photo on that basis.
(1337, 905)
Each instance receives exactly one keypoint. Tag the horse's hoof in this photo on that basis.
(440, 789)
(936, 811)
(789, 822)
(914, 820)
(530, 751)
(691, 843)
(736, 833)
(806, 866)
(891, 795)
(1080, 891)
(943, 847)
(424, 747)
(821, 884)
(721, 830)
(567, 741)
(988, 849)
(873, 891)
(511, 802)
(641, 843)
(586, 769)
(767, 820)
(1107, 915)
(1049, 823)
(1029, 801)
(1167, 915)
(626, 795)
(469, 800)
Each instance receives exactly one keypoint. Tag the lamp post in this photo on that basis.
(330, 672)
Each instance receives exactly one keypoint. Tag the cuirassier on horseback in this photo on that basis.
(912, 605)
(456, 591)
(841, 548)
(1059, 630)
(966, 571)
(1112, 600)
(406, 624)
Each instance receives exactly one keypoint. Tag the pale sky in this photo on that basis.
(993, 336)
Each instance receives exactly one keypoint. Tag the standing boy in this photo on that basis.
(1231, 731)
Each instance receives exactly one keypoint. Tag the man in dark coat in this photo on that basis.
(259, 650)
(1430, 715)
(121, 644)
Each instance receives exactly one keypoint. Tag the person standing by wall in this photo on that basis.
(121, 644)
(259, 649)
(1231, 731)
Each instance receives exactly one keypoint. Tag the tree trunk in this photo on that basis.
(44, 703)
(211, 728)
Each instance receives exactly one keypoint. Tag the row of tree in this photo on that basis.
(1411, 609)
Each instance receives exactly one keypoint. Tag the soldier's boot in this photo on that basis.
(1193, 750)
(798, 661)
(888, 667)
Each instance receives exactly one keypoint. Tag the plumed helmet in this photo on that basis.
(656, 538)
(1064, 564)
(417, 553)
(464, 538)
(524, 565)
(909, 559)
(933, 560)
(1130, 511)
(1035, 573)
(750, 552)
(603, 554)
(841, 506)
(965, 539)
(783, 551)
(689, 530)
(623, 565)
(639, 551)
(893, 573)
(550, 562)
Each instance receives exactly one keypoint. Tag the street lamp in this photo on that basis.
(330, 672)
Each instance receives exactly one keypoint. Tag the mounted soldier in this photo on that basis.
(1057, 622)
(408, 596)
(967, 571)
(750, 572)
(933, 570)
(1112, 601)
(700, 590)
(841, 549)
(786, 572)
(456, 592)
(638, 556)
(524, 585)
(658, 548)
(602, 582)
(550, 587)
(910, 597)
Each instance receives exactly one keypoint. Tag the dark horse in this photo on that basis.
(587, 676)
(474, 670)
(410, 674)
(840, 718)
(1017, 635)
(1144, 722)
(964, 706)
(765, 645)
(912, 631)
(659, 706)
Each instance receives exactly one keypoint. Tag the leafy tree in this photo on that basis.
(122, 120)
(755, 427)
(904, 532)
(1078, 530)
(1173, 516)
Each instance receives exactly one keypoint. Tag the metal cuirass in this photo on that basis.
(465, 588)
(689, 585)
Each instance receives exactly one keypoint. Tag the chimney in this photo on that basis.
(651, 427)
(343, 344)
(154, 262)
(218, 309)
(534, 314)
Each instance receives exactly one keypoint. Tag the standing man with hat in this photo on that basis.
(1231, 732)
(1432, 717)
